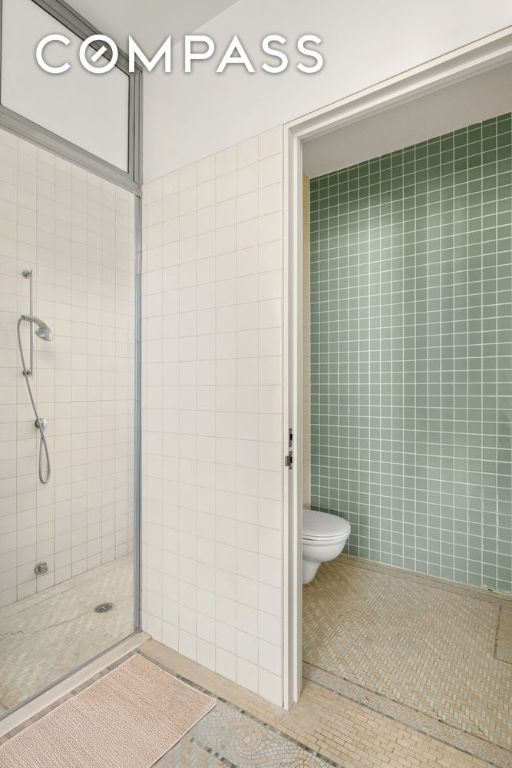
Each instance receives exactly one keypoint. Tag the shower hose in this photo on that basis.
(43, 445)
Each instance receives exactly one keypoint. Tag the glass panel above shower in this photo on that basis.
(66, 418)
(63, 105)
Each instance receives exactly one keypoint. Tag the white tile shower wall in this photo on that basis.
(212, 412)
(76, 232)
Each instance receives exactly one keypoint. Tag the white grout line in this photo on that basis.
(46, 699)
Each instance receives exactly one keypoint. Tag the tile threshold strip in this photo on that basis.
(479, 748)
(242, 711)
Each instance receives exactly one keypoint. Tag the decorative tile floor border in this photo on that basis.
(254, 741)
(447, 734)
(191, 755)
(334, 726)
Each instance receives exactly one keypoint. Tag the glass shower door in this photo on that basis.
(67, 356)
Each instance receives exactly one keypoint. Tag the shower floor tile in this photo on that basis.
(48, 635)
(416, 649)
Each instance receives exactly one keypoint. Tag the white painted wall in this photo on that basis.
(149, 21)
(365, 41)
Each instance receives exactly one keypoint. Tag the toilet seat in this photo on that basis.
(323, 527)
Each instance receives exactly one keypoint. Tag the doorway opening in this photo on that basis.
(399, 387)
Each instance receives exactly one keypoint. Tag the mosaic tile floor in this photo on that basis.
(329, 727)
(323, 729)
(48, 635)
(429, 648)
(228, 736)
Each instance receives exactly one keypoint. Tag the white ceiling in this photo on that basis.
(148, 21)
(442, 111)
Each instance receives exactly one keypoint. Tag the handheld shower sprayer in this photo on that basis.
(43, 332)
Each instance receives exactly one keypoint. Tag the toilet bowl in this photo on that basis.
(323, 538)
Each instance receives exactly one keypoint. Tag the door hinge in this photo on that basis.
(288, 459)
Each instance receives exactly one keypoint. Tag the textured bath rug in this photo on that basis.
(127, 719)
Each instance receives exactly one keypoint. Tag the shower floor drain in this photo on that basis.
(104, 607)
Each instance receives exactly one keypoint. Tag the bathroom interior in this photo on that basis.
(143, 400)
(407, 529)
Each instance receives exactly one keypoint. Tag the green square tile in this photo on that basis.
(411, 288)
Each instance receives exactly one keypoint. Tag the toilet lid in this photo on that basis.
(324, 526)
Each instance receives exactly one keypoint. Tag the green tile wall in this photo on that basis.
(411, 354)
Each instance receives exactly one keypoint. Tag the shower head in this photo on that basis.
(42, 330)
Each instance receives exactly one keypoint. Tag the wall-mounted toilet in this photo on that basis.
(323, 538)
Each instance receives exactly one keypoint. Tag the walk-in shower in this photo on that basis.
(67, 444)
(70, 254)
(43, 332)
